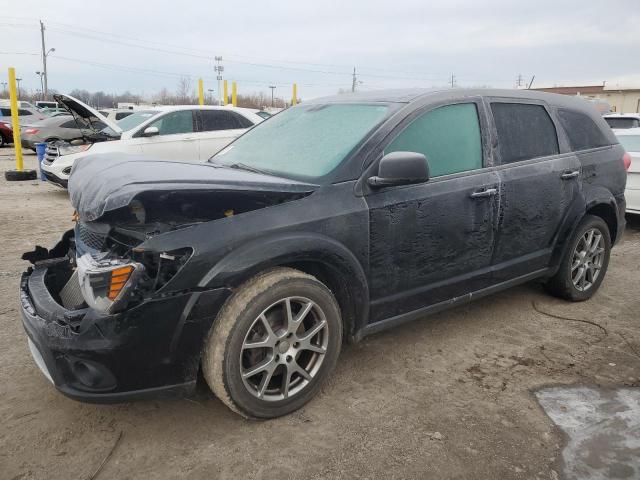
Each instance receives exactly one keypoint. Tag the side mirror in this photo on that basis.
(401, 168)
(151, 131)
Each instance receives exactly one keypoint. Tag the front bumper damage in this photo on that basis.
(151, 349)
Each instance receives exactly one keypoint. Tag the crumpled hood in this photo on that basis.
(104, 182)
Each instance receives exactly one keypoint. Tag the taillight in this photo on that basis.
(626, 159)
(31, 131)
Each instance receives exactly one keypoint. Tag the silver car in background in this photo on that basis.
(60, 127)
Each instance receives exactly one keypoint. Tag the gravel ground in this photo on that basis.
(449, 396)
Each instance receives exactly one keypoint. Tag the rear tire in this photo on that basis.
(285, 326)
(585, 263)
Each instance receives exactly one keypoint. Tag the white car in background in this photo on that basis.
(622, 121)
(182, 132)
(630, 139)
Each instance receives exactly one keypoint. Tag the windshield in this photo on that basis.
(631, 143)
(131, 121)
(307, 141)
(135, 119)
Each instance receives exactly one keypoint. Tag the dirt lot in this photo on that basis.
(449, 396)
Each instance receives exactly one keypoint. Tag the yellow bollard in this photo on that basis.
(200, 91)
(294, 98)
(225, 99)
(234, 94)
(15, 123)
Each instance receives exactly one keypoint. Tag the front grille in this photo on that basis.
(90, 238)
(51, 154)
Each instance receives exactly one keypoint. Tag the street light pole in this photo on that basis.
(210, 90)
(18, 80)
(272, 87)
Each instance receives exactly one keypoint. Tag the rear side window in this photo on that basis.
(24, 113)
(582, 131)
(448, 136)
(6, 112)
(244, 122)
(69, 124)
(221, 120)
(524, 132)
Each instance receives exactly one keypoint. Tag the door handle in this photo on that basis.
(570, 175)
(487, 192)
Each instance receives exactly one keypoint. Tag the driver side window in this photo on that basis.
(174, 122)
(448, 136)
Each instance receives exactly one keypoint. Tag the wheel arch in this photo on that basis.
(329, 261)
(608, 213)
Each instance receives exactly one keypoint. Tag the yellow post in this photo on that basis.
(15, 124)
(234, 94)
(200, 91)
(225, 98)
(294, 99)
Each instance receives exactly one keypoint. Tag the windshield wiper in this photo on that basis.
(242, 166)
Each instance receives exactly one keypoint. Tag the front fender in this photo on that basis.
(289, 248)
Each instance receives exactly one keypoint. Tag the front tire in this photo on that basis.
(585, 263)
(274, 342)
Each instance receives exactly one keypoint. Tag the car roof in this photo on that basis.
(622, 115)
(170, 108)
(409, 95)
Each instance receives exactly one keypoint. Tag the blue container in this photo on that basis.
(40, 151)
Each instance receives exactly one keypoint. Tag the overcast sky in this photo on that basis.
(401, 43)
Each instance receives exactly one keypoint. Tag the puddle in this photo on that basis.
(603, 430)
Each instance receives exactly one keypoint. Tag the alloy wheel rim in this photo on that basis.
(587, 260)
(284, 349)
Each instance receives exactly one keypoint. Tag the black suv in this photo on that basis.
(332, 220)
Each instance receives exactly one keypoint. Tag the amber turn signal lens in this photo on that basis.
(119, 278)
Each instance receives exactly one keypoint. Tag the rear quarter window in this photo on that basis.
(581, 130)
(524, 131)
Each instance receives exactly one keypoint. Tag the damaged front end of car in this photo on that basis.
(105, 318)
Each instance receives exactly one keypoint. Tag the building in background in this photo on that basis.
(620, 99)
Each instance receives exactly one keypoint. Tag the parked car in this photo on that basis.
(622, 121)
(116, 114)
(630, 139)
(184, 132)
(62, 127)
(6, 133)
(335, 219)
(45, 104)
(25, 114)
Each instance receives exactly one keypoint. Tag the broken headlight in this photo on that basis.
(106, 285)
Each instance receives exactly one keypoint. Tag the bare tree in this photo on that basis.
(185, 91)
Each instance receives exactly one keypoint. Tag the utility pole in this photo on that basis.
(18, 80)
(210, 90)
(45, 54)
(531, 82)
(272, 87)
(4, 86)
(219, 68)
(44, 62)
(519, 81)
(355, 80)
(452, 81)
